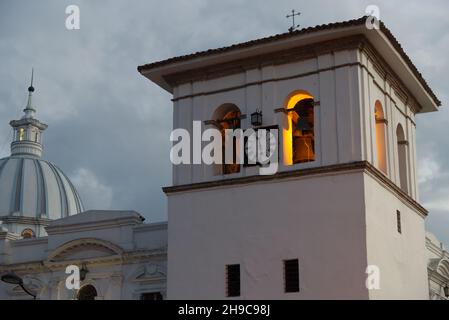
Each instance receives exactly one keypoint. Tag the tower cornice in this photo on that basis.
(23, 122)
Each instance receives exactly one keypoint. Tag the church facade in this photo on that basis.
(44, 230)
(339, 219)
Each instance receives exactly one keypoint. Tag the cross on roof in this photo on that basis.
(292, 15)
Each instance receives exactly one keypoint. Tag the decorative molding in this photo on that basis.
(274, 58)
(29, 242)
(390, 97)
(151, 227)
(25, 220)
(359, 42)
(389, 75)
(92, 225)
(5, 235)
(260, 82)
(62, 251)
(361, 166)
(136, 256)
(150, 273)
(27, 122)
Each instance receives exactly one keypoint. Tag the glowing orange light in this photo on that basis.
(288, 128)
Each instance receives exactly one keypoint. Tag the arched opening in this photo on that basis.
(21, 134)
(402, 157)
(87, 292)
(27, 233)
(227, 117)
(381, 124)
(299, 131)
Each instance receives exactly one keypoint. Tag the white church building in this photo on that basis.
(340, 219)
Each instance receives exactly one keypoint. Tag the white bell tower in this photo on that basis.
(343, 206)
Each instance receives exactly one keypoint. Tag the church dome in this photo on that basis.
(33, 191)
(35, 188)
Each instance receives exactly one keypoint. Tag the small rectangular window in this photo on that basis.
(398, 221)
(291, 275)
(233, 280)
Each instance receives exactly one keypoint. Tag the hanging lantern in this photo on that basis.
(256, 118)
(83, 272)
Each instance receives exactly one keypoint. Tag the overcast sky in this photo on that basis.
(109, 127)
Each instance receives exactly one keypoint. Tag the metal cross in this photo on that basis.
(293, 27)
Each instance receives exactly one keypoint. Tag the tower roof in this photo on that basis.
(164, 73)
(29, 109)
(28, 130)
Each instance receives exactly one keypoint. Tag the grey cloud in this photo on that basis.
(108, 120)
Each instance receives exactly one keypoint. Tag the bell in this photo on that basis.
(303, 125)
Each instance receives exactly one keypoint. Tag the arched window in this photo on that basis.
(402, 157)
(21, 134)
(228, 117)
(299, 131)
(381, 124)
(27, 233)
(87, 292)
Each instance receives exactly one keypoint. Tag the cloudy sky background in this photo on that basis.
(109, 126)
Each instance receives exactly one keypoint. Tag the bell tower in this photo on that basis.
(28, 130)
(340, 218)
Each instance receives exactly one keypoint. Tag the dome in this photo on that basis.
(32, 191)
(34, 188)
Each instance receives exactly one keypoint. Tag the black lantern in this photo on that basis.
(256, 118)
(83, 272)
(446, 291)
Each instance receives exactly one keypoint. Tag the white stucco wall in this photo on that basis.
(318, 220)
(401, 257)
